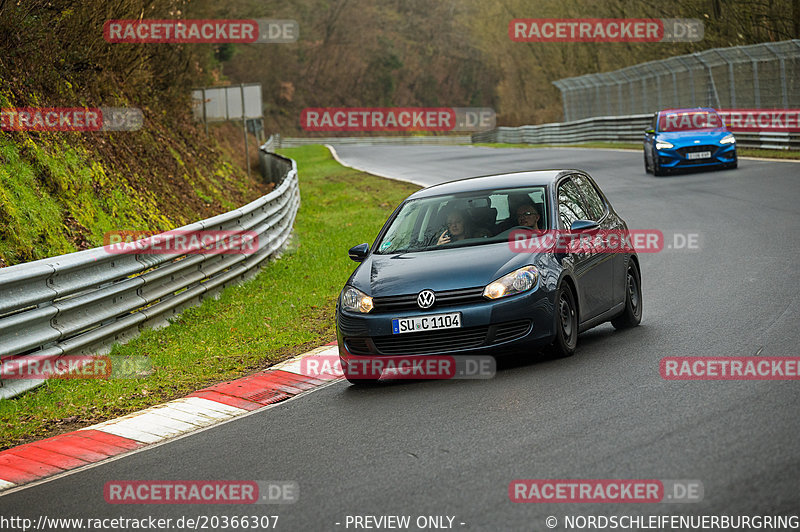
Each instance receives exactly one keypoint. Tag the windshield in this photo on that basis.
(689, 121)
(467, 219)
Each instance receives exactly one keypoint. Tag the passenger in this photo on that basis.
(528, 216)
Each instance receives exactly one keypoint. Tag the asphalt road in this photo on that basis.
(451, 448)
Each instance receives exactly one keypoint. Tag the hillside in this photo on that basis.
(61, 191)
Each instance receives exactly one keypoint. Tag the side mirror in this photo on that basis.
(585, 226)
(650, 131)
(358, 253)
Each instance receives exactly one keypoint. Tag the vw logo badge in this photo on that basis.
(426, 298)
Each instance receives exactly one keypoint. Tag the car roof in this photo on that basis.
(688, 109)
(486, 182)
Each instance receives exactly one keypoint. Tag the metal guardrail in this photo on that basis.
(438, 140)
(82, 303)
(604, 128)
(617, 129)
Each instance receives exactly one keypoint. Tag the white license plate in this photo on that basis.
(434, 322)
(699, 155)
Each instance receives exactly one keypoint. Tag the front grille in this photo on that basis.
(445, 298)
(431, 341)
(693, 149)
(443, 341)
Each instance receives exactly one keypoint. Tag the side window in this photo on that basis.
(570, 204)
(594, 203)
(654, 122)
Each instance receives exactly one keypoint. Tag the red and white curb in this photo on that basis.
(221, 402)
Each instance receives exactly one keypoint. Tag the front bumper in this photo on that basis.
(490, 327)
(678, 157)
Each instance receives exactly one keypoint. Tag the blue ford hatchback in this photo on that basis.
(443, 277)
(688, 138)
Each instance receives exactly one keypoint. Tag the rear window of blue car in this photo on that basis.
(466, 219)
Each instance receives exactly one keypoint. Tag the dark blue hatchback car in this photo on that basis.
(443, 276)
(688, 138)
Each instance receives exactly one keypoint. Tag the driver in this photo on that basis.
(456, 228)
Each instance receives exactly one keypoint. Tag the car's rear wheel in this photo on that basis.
(632, 315)
(566, 323)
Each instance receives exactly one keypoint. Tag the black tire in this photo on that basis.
(359, 378)
(632, 315)
(647, 168)
(566, 323)
(360, 381)
(657, 170)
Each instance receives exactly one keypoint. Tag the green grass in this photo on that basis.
(287, 309)
(743, 152)
(48, 195)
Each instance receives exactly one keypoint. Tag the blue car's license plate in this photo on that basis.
(426, 323)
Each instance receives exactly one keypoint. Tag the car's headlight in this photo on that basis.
(356, 301)
(727, 139)
(663, 144)
(513, 283)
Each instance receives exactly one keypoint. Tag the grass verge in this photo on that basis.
(286, 310)
(743, 152)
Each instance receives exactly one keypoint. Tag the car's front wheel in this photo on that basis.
(360, 381)
(632, 315)
(657, 170)
(647, 168)
(566, 323)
